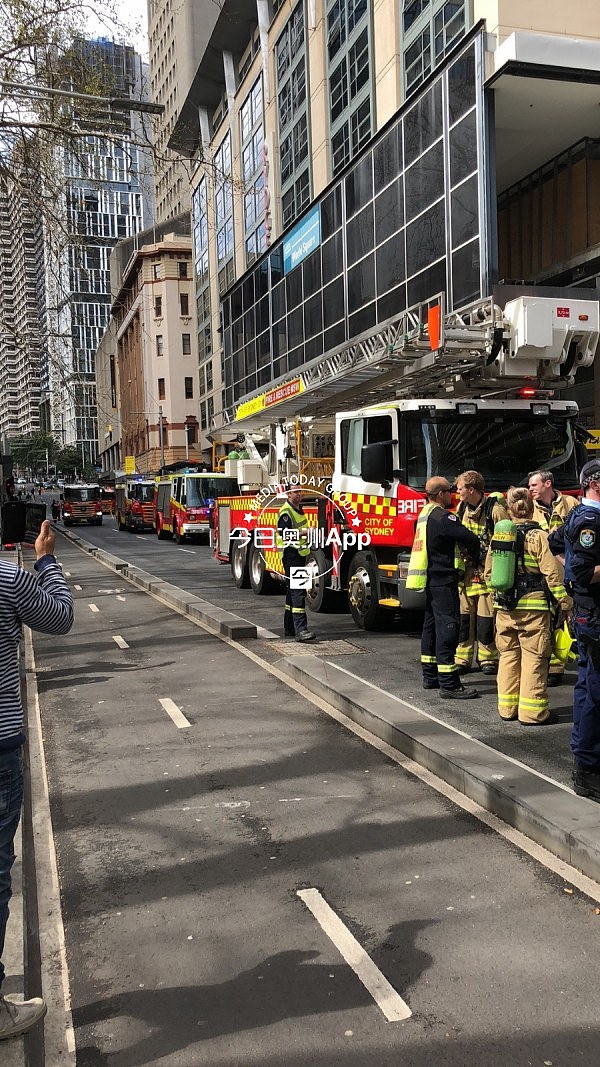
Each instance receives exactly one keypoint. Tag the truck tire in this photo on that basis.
(238, 557)
(320, 597)
(363, 593)
(260, 579)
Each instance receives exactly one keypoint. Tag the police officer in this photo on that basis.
(578, 542)
(479, 514)
(435, 566)
(292, 541)
(550, 509)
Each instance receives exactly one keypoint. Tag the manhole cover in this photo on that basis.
(316, 648)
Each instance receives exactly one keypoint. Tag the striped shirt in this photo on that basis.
(42, 601)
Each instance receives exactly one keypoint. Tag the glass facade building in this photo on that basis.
(407, 220)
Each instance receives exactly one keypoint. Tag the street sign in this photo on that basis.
(595, 444)
(129, 464)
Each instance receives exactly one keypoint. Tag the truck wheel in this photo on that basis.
(260, 579)
(319, 597)
(363, 593)
(238, 557)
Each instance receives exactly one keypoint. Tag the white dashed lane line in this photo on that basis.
(120, 641)
(385, 996)
(93, 607)
(77, 587)
(175, 713)
(190, 550)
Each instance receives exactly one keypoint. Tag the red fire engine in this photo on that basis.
(134, 502)
(184, 503)
(362, 517)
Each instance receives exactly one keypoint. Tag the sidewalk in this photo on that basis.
(12, 1053)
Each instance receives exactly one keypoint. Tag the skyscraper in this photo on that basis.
(104, 199)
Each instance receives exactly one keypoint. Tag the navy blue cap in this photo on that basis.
(589, 472)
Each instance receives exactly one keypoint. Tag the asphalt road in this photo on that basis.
(389, 660)
(182, 849)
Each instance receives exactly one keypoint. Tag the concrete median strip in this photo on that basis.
(543, 810)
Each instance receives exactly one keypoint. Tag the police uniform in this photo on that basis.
(476, 610)
(579, 541)
(551, 517)
(292, 542)
(523, 631)
(435, 566)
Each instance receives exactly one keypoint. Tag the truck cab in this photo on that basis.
(134, 503)
(81, 503)
(185, 502)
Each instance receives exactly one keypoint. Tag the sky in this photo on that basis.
(132, 14)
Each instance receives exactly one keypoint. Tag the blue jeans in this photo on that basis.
(11, 798)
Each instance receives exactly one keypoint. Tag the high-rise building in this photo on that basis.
(21, 304)
(352, 158)
(106, 196)
(178, 32)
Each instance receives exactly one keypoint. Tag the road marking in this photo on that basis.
(120, 641)
(192, 550)
(385, 996)
(93, 607)
(122, 598)
(176, 713)
(77, 587)
(67, 574)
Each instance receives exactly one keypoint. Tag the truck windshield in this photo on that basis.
(143, 493)
(82, 494)
(504, 447)
(201, 490)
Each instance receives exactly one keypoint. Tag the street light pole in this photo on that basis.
(187, 441)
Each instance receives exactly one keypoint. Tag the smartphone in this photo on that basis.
(34, 517)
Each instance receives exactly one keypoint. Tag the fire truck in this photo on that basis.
(134, 503)
(81, 503)
(474, 389)
(184, 502)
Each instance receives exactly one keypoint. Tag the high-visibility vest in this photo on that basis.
(417, 564)
(299, 522)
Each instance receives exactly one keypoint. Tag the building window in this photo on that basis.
(183, 268)
(158, 306)
(349, 55)
(184, 303)
(223, 203)
(290, 62)
(161, 388)
(160, 348)
(186, 344)
(439, 23)
(156, 270)
(200, 237)
(189, 388)
(252, 138)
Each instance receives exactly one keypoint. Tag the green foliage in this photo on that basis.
(68, 460)
(29, 451)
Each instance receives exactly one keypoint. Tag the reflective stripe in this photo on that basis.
(486, 655)
(532, 704)
(447, 668)
(298, 611)
(427, 659)
(508, 698)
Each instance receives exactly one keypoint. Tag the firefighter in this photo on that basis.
(577, 542)
(479, 514)
(550, 510)
(434, 566)
(523, 618)
(292, 542)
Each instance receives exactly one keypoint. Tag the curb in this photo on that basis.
(548, 813)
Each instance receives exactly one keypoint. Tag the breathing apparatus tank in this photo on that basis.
(504, 559)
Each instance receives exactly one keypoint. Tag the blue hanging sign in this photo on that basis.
(303, 240)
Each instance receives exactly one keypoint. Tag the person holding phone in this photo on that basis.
(44, 602)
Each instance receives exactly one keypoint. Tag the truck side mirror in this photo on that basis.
(376, 463)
